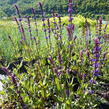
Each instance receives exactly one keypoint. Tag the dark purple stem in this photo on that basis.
(20, 23)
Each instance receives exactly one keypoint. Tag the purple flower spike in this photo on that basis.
(70, 29)
(29, 27)
(70, 4)
(70, 10)
(43, 20)
(70, 26)
(17, 11)
(96, 54)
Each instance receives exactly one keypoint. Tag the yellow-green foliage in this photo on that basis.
(7, 24)
(77, 20)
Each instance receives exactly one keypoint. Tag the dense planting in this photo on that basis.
(54, 63)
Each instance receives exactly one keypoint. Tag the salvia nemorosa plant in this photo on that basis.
(70, 30)
(96, 52)
(43, 21)
(96, 59)
(49, 32)
(70, 26)
(100, 27)
(14, 81)
(29, 27)
(20, 25)
(68, 64)
(54, 23)
(60, 30)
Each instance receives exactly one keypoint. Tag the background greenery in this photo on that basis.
(92, 8)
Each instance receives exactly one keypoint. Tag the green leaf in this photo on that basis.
(43, 93)
(57, 84)
(2, 93)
